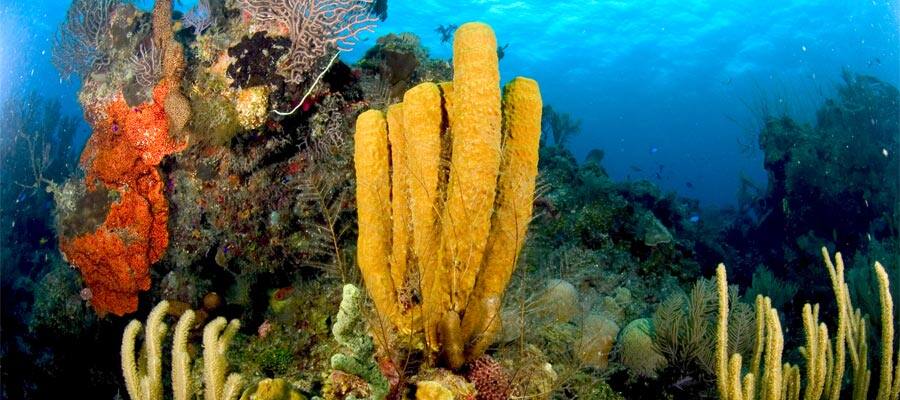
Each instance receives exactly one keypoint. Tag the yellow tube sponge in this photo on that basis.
(373, 194)
(422, 117)
(400, 233)
(515, 190)
(515, 187)
(475, 126)
(444, 197)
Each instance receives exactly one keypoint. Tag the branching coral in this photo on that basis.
(684, 327)
(199, 17)
(454, 238)
(143, 375)
(314, 26)
(147, 65)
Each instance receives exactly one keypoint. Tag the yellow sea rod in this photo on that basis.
(476, 154)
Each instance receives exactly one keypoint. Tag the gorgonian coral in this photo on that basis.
(76, 47)
(314, 27)
(199, 18)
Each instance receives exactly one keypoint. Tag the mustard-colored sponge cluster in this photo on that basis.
(252, 106)
(445, 185)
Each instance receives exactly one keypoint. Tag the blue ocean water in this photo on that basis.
(670, 90)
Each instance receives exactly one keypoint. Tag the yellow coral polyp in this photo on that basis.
(252, 106)
(437, 242)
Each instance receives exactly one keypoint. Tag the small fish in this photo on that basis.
(874, 62)
(635, 168)
(22, 197)
(694, 218)
(501, 51)
(689, 185)
(653, 150)
(43, 241)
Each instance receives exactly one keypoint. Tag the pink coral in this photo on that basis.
(490, 379)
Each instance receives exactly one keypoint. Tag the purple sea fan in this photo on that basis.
(200, 17)
(314, 27)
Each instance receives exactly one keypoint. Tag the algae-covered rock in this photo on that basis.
(432, 390)
(636, 349)
(558, 301)
(440, 384)
(652, 231)
(252, 106)
(594, 346)
(272, 389)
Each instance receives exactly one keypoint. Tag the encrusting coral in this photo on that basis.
(769, 379)
(143, 376)
(437, 249)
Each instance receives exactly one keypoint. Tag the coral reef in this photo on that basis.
(395, 64)
(122, 154)
(833, 181)
(495, 265)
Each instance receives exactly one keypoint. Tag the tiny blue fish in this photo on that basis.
(695, 218)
